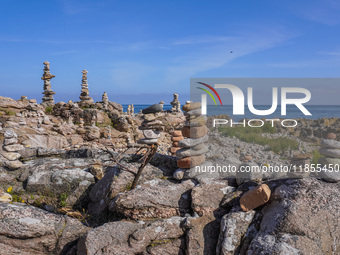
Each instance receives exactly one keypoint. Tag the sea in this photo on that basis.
(317, 111)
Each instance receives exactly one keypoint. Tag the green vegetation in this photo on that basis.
(48, 109)
(9, 112)
(62, 200)
(316, 156)
(254, 135)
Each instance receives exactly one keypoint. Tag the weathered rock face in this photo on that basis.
(316, 232)
(28, 230)
(155, 199)
(132, 238)
(206, 196)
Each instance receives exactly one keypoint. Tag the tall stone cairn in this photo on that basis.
(330, 163)
(85, 98)
(195, 134)
(105, 100)
(48, 92)
(176, 105)
(152, 124)
(11, 147)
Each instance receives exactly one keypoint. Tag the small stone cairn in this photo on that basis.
(195, 134)
(85, 98)
(176, 105)
(152, 125)
(47, 76)
(330, 149)
(105, 100)
(12, 146)
(176, 138)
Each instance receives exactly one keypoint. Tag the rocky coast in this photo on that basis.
(67, 171)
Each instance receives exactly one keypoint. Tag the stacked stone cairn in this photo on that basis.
(12, 146)
(176, 105)
(176, 137)
(48, 92)
(85, 98)
(152, 124)
(330, 149)
(195, 134)
(105, 100)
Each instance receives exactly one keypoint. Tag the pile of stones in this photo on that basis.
(85, 98)
(48, 92)
(176, 137)
(195, 134)
(330, 149)
(176, 105)
(11, 146)
(152, 125)
(300, 165)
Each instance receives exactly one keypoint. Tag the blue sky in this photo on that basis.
(143, 51)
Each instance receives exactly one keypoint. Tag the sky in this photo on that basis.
(142, 52)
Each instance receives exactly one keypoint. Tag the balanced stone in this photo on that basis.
(191, 106)
(10, 134)
(196, 112)
(331, 144)
(329, 175)
(188, 142)
(176, 106)
(333, 153)
(152, 123)
(177, 138)
(10, 141)
(13, 147)
(48, 92)
(151, 134)
(188, 152)
(11, 156)
(255, 197)
(13, 165)
(199, 121)
(190, 161)
(153, 109)
(147, 141)
(176, 133)
(331, 136)
(195, 132)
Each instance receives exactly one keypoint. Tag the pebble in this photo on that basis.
(331, 136)
(255, 197)
(196, 112)
(176, 133)
(177, 138)
(329, 176)
(179, 174)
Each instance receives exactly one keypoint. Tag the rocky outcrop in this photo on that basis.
(28, 230)
(155, 199)
(132, 238)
